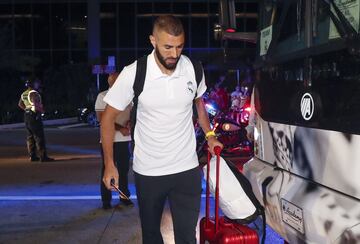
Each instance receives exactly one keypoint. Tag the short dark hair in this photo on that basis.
(170, 24)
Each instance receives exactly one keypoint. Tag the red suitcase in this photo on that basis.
(219, 230)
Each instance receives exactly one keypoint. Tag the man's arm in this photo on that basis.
(107, 139)
(205, 124)
(98, 115)
(21, 104)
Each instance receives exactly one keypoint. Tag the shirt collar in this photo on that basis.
(155, 71)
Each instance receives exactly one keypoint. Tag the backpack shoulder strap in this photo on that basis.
(198, 69)
(140, 76)
(138, 87)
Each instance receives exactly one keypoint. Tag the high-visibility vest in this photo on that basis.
(25, 97)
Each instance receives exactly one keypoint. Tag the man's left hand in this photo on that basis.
(125, 131)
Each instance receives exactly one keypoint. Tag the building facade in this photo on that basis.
(57, 39)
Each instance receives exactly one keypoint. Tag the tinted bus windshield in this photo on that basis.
(310, 57)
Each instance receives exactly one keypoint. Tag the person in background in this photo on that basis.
(120, 151)
(236, 98)
(30, 102)
(221, 81)
(245, 96)
(235, 107)
(165, 164)
(220, 96)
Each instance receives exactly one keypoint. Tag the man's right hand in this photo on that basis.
(111, 173)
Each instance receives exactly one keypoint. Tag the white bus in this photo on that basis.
(306, 100)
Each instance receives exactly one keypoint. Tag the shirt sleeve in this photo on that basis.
(122, 93)
(202, 87)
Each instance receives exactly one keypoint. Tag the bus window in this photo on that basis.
(292, 32)
(334, 74)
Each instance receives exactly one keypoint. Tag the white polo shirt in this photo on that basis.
(164, 131)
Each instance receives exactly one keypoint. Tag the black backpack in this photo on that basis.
(139, 86)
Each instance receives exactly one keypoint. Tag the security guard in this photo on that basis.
(30, 102)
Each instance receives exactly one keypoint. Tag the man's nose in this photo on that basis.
(174, 53)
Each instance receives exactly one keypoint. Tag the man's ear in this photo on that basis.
(152, 40)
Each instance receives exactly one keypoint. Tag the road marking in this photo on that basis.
(25, 198)
(47, 198)
(73, 125)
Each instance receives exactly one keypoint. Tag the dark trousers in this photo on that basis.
(183, 191)
(35, 134)
(121, 160)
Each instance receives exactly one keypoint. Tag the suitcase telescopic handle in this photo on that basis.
(217, 151)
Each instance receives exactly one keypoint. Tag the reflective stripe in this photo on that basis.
(25, 97)
(28, 97)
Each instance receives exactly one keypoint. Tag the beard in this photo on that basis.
(162, 60)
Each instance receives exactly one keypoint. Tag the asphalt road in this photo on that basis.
(59, 202)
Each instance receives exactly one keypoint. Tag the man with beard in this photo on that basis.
(165, 162)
